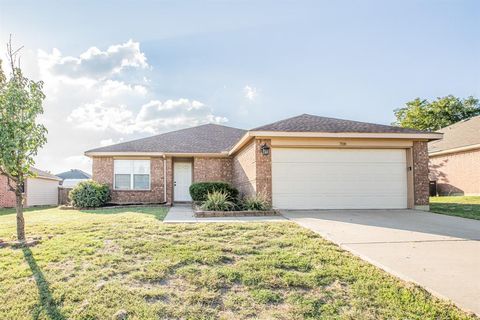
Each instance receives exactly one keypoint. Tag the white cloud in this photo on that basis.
(153, 117)
(102, 96)
(250, 92)
(79, 162)
(95, 63)
(110, 141)
(111, 88)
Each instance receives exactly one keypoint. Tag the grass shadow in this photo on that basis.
(7, 211)
(47, 302)
(157, 211)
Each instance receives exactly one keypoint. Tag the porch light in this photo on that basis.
(265, 149)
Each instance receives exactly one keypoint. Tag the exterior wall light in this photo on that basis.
(265, 149)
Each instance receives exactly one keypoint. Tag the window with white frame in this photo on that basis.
(132, 174)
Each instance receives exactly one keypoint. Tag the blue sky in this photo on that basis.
(120, 70)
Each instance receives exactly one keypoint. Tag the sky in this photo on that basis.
(115, 71)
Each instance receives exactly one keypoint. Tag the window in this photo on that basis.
(132, 174)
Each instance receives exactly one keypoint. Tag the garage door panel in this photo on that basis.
(357, 178)
(311, 155)
(332, 202)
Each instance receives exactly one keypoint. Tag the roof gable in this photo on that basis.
(74, 174)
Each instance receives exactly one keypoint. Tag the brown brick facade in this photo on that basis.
(244, 170)
(420, 173)
(103, 172)
(264, 169)
(457, 173)
(7, 197)
(212, 169)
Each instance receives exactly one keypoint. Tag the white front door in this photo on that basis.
(182, 179)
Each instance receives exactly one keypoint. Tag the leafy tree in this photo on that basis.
(422, 114)
(20, 135)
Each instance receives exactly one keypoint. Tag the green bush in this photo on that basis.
(218, 201)
(256, 203)
(89, 194)
(200, 190)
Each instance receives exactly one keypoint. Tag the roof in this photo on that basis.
(461, 134)
(74, 174)
(311, 123)
(207, 138)
(215, 139)
(44, 174)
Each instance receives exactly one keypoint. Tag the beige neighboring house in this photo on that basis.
(41, 190)
(304, 162)
(455, 160)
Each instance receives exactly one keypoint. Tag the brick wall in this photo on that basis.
(244, 170)
(457, 173)
(7, 197)
(420, 173)
(102, 171)
(264, 169)
(212, 169)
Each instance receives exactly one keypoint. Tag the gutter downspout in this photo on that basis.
(164, 178)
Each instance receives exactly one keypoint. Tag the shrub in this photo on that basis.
(200, 190)
(218, 201)
(89, 194)
(256, 203)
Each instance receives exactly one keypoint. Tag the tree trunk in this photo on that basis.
(20, 219)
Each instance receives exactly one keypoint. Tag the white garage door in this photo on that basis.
(339, 178)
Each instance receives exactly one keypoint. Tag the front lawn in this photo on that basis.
(465, 207)
(99, 263)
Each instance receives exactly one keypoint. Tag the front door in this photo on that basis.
(182, 179)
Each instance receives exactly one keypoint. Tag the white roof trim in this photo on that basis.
(411, 136)
(454, 150)
(154, 154)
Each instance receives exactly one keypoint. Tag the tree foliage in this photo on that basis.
(422, 114)
(20, 135)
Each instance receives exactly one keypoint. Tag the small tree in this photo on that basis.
(422, 114)
(20, 135)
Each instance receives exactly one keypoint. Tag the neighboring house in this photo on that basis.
(39, 191)
(455, 160)
(73, 177)
(304, 162)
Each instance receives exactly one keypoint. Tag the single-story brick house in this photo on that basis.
(39, 191)
(304, 162)
(455, 160)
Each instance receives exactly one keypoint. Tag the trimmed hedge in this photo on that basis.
(200, 190)
(89, 194)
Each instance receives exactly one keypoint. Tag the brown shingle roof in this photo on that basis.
(208, 138)
(461, 134)
(311, 123)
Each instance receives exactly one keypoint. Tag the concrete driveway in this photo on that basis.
(438, 252)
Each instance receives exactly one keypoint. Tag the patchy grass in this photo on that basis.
(465, 207)
(97, 264)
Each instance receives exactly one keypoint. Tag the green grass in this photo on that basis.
(465, 207)
(99, 262)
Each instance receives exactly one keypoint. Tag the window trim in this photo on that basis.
(132, 174)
